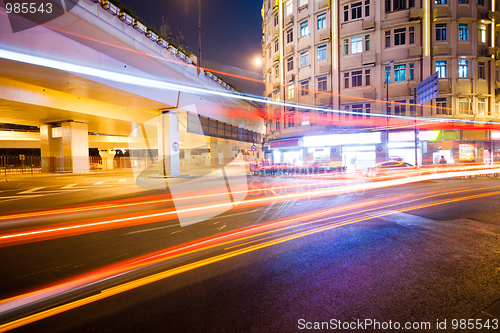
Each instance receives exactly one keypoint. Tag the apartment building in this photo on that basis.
(353, 56)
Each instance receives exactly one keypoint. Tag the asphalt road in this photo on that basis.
(421, 252)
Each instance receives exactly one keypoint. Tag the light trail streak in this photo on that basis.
(171, 272)
(68, 230)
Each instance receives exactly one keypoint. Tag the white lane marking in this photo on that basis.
(265, 212)
(68, 186)
(31, 190)
(151, 229)
(221, 227)
(122, 180)
(99, 182)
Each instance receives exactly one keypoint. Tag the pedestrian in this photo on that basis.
(442, 160)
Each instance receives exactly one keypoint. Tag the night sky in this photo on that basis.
(231, 33)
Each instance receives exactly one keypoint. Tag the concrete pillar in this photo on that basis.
(187, 157)
(168, 145)
(108, 157)
(65, 147)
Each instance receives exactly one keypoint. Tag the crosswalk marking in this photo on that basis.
(99, 183)
(31, 190)
(68, 186)
(122, 180)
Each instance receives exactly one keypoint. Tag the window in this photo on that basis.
(440, 2)
(463, 1)
(277, 71)
(398, 5)
(480, 2)
(346, 13)
(463, 105)
(305, 118)
(290, 92)
(302, 3)
(463, 68)
(304, 58)
(276, 20)
(463, 31)
(411, 72)
(411, 35)
(322, 84)
(400, 36)
(322, 21)
(440, 31)
(368, 109)
(388, 38)
(290, 120)
(441, 105)
(387, 74)
(355, 10)
(400, 108)
(482, 33)
(356, 44)
(346, 109)
(441, 68)
(357, 78)
(412, 3)
(367, 77)
(367, 8)
(321, 52)
(304, 28)
(346, 46)
(346, 80)
(367, 42)
(276, 46)
(481, 106)
(387, 6)
(399, 73)
(289, 64)
(304, 88)
(357, 110)
(481, 70)
(288, 8)
(289, 36)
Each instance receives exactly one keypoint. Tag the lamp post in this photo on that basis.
(387, 76)
(199, 37)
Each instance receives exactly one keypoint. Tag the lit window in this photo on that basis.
(463, 68)
(441, 31)
(367, 42)
(288, 8)
(481, 106)
(463, 1)
(411, 72)
(399, 73)
(290, 92)
(440, 2)
(304, 58)
(387, 74)
(441, 105)
(400, 36)
(463, 31)
(302, 3)
(482, 33)
(481, 70)
(368, 109)
(322, 21)
(289, 36)
(463, 105)
(441, 68)
(304, 28)
(357, 110)
(322, 52)
(289, 64)
(356, 10)
(357, 78)
(357, 44)
(322, 83)
(304, 88)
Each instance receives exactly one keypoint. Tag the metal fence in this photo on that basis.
(22, 164)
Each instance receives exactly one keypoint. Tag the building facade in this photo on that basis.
(352, 56)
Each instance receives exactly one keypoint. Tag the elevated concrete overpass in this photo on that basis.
(89, 71)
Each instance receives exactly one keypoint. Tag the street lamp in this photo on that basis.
(387, 76)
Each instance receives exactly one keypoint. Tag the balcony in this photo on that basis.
(323, 100)
(370, 94)
(368, 58)
(322, 4)
(326, 68)
(415, 14)
(368, 24)
(441, 49)
(324, 35)
(288, 20)
(415, 52)
(289, 49)
(444, 86)
(290, 77)
(441, 12)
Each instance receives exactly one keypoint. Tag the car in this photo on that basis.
(394, 169)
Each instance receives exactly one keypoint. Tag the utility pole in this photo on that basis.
(199, 37)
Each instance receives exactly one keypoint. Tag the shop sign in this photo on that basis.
(285, 143)
(495, 135)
